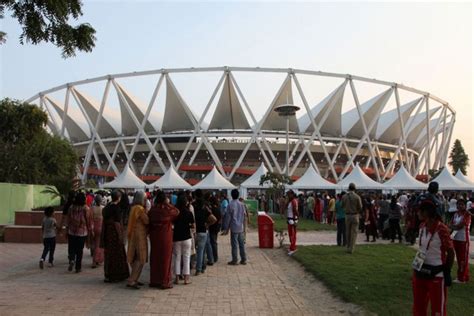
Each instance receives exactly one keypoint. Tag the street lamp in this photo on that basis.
(287, 110)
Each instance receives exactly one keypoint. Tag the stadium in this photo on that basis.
(195, 118)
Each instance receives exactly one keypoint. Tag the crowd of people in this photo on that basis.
(183, 228)
(441, 224)
(175, 232)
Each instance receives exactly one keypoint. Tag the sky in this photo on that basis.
(425, 45)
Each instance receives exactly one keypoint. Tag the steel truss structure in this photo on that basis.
(416, 134)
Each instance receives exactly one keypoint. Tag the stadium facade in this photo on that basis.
(394, 125)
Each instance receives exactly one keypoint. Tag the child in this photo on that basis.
(48, 228)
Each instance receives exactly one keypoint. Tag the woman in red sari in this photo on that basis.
(161, 217)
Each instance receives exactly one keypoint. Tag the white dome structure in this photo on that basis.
(189, 122)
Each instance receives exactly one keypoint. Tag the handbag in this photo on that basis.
(428, 272)
(211, 219)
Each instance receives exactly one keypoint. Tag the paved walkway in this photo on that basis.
(271, 284)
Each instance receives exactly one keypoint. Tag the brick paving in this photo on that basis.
(271, 284)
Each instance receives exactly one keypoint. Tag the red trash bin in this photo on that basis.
(265, 230)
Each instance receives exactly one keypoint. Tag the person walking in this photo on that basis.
(352, 204)
(182, 241)
(331, 210)
(161, 216)
(79, 227)
(48, 229)
(384, 209)
(394, 220)
(460, 225)
(201, 214)
(433, 262)
(341, 221)
(370, 219)
(309, 206)
(234, 222)
(215, 228)
(115, 258)
(137, 232)
(292, 215)
(97, 251)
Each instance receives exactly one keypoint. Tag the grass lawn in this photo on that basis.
(303, 224)
(376, 277)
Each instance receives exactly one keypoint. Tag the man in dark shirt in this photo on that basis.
(201, 213)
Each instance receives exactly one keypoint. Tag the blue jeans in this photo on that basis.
(237, 240)
(209, 252)
(201, 239)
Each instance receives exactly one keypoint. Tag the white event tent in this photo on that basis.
(253, 182)
(126, 180)
(312, 180)
(361, 180)
(403, 180)
(464, 179)
(449, 182)
(170, 180)
(214, 181)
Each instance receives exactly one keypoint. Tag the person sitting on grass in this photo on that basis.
(48, 227)
(433, 262)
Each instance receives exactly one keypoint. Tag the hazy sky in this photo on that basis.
(424, 45)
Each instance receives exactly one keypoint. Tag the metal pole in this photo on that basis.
(287, 171)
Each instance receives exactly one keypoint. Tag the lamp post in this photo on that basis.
(287, 111)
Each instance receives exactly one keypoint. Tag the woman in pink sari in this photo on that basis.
(97, 252)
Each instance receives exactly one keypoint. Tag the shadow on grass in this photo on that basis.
(376, 277)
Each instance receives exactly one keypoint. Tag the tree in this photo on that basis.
(434, 172)
(278, 183)
(48, 21)
(458, 159)
(29, 153)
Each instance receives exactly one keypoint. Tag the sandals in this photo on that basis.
(133, 286)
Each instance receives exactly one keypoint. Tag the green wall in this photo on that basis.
(22, 197)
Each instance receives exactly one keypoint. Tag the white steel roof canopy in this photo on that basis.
(419, 141)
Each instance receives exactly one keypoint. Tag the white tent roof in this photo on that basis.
(464, 179)
(170, 180)
(403, 180)
(126, 180)
(361, 180)
(254, 180)
(447, 181)
(214, 181)
(312, 180)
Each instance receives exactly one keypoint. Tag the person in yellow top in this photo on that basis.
(331, 210)
(137, 254)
